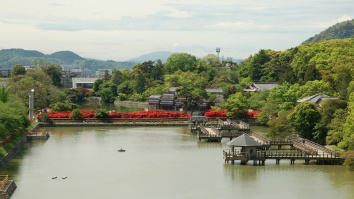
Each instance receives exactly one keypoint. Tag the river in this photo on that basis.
(159, 162)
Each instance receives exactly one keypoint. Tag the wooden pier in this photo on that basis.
(7, 187)
(38, 134)
(262, 156)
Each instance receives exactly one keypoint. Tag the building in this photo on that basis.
(317, 99)
(167, 101)
(5, 73)
(260, 86)
(83, 82)
(154, 101)
(101, 72)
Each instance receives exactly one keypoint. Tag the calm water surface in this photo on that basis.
(160, 162)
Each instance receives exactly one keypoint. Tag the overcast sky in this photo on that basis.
(120, 30)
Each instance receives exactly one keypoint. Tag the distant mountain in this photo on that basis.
(67, 57)
(341, 30)
(11, 57)
(163, 55)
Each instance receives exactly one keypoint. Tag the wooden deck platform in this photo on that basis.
(262, 156)
(38, 134)
(7, 187)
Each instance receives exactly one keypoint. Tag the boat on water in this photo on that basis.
(121, 150)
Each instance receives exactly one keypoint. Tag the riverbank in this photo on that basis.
(9, 150)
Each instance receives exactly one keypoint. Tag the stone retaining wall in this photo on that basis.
(12, 152)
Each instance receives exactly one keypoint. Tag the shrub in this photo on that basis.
(101, 113)
(76, 114)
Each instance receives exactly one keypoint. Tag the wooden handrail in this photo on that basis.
(4, 181)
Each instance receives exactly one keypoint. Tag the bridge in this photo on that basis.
(304, 149)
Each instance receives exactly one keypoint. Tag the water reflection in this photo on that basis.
(94, 104)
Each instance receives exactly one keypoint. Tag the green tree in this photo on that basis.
(257, 65)
(336, 132)
(4, 94)
(348, 127)
(280, 128)
(304, 119)
(107, 95)
(180, 61)
(101, 113)
(315, 87)
(54, 72)
(76, 114)
(97, 84)
(212, 60)
(191, 97)
(236, 105)
(18, 70)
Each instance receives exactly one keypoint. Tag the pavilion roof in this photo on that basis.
(242, 141)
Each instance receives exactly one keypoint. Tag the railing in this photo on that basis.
(4, 181)
(300, 145)
(276, 154)
(256, 135)
(36, 132)
(318, 146)
(281, 141)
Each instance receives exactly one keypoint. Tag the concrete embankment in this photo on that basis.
(12, 152)
(131, 104)
(110, 124)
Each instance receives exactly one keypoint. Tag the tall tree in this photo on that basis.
(304, 119)
(54, 72)
(18, 70)
(180, 61)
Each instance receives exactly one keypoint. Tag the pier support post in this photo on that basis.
(307, 161)
(277, 161)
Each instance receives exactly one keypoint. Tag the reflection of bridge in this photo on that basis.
(304, 149)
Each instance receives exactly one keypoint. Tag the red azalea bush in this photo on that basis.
(114, 114)
(215, 113)
(253, 113)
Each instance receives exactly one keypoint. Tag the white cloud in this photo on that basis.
(117, 29)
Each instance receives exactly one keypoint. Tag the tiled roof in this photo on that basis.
(243, 140)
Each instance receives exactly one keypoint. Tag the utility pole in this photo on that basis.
(31, 107)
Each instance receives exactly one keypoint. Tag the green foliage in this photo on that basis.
(336, 133)
(304, 119)
(341, 30)
(4, 94)
(76, 114)
(315, 87)
(106, 95)
(18, 70)
(348, 127)
(348, 159)
(191, 97)
(122, 96)
(13, 119)
(101, 113)
(45, 117)
(180, 61)
(64, 106)
(236, 105)
(54, 72)
(75, 95)
(280, 128)
(280, 98)
(97, 84)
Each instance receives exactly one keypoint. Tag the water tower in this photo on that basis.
(218, 51)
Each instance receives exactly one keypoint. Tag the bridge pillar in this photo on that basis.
(277, 161)
(307, 161)
(279, 146)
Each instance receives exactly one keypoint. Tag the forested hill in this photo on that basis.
(11, 57)
(341, 30)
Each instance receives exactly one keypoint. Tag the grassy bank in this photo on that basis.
(6, 147)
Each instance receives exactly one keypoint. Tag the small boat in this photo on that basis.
(121, 150)
(54, 177)
(64, 177)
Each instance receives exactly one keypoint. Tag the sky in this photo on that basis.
(120, 30)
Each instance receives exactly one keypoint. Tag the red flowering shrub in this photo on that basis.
(88, 114)
(114, 114)
(215, 113)
(253, 113)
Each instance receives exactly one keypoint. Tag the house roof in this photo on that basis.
(242, 141)
(260, 86)
(315, 98)
(167, 97)
(214, 90)
(155, 97)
